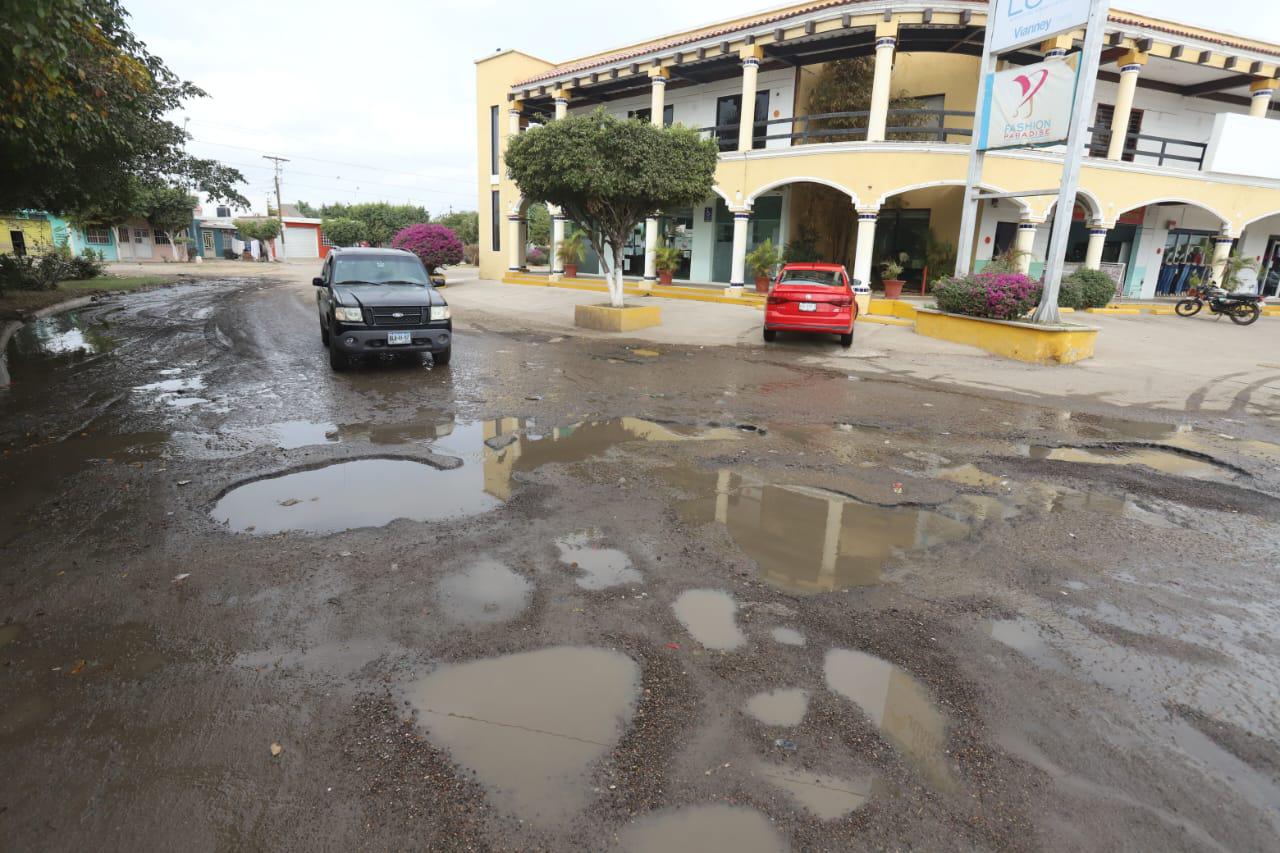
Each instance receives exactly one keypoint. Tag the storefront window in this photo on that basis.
(900, 232)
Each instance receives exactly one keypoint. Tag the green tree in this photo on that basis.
(381, 220)
(539, 225)
(307, 210)
(261, 228)
(844, 86)
(343, 231)
(168, 209)
(607, 174)
(465, 223)
(83, 111)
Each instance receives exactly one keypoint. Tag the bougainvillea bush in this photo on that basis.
(998, 296)
(436, 245)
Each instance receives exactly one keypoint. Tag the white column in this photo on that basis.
(1025, 244)
(879, 117)
(1093, 254)
(865, 245)
(722, 495)
(738, 273)
(831, 543)
(1130, 65)
(650, 253)
(750, 73)
(1221, 251)
(658, 97)
(515, 253)
(1262, 90)
(557, 237)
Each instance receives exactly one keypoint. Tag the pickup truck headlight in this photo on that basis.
(348, 315)
(440, 312)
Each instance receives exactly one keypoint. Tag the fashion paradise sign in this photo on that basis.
(1029, 105)
(1015, 23)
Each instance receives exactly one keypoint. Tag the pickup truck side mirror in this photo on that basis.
(317, 282)
(437, 281)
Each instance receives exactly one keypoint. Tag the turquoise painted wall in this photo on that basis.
(66, 234)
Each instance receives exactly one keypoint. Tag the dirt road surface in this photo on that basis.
(580, 593)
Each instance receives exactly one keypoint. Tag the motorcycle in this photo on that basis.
(1242, 308)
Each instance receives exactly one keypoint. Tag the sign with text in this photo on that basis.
(1029, 105)
(1015, 23)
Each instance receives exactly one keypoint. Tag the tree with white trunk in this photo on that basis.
(609, 174)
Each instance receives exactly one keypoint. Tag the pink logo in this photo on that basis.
(1030, 86)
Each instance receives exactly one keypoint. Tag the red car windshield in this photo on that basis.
(822, 278)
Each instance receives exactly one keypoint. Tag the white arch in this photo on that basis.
(1022, 205)
(1259, 219)
(724, 195)
(798, 179)
(1226, 223)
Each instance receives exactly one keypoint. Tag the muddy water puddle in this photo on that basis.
(782, 707)
(825, 796)
(531, 725)
(787, 636)
(70, 334)
(898, 705)
(485, 592)
(599, 567)
(710, 616)
(348, 495)
(698, 829)
(1157, 459)
(289, 435)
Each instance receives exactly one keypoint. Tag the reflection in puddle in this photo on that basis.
(1131, 429)
(483, 593)
(1023, 635)
(531, 724)
(709, 615)
(699, 829)
(341, 657)
(782, 707)
(347, 495)
(787, 636)
(288, 435)
(70, 333)
(898, 705)
(971, 475)
(603, 567)
(1165, 461)
(809, 540)
(827, 797)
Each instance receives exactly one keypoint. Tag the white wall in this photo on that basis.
(695, 106)
(1153, 235)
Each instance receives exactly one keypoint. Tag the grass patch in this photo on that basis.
(17, 302)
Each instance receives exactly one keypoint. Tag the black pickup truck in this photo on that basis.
(380, 302)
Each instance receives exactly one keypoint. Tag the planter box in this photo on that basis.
(1061, 344)
(606, 318)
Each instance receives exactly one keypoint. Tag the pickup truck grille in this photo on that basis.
(387, 316)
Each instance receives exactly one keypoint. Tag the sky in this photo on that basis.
(375, 101)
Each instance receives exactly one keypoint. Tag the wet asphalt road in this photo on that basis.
(571, 594)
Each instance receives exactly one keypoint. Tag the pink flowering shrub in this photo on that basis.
(997, 295)
(436, 245)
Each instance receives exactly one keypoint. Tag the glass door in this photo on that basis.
(1269, 272)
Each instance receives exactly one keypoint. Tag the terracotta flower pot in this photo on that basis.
(893, 288)
(762, 284)
(570, 270)
(665, 276)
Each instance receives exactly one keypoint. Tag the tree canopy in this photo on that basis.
(845, 86)
(343, 231)
(82, 115)
(436, 245)
(381, 220)
(608, 174)
(464, 223)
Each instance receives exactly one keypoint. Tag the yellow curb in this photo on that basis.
(881, 320)
(1125, 311)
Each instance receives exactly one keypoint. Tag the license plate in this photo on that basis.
(808, 306)
(394, 338)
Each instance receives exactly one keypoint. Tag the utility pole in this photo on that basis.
(284, 252)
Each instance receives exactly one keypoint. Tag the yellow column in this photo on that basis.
(1130, 65)
(831, 544)
(1056, 47)
(886, 40)
(515, 249)
(513, 118)
(658, 97)
(722, 495)
(1262, 90)
(750, 72)
(865, 245)
(738, 271)
(557, 237)
(1221, 251)
(1024, 244)
(1097, 239)
(562, 103)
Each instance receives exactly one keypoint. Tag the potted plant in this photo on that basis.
(762, 262)
(890, 269)
(572, 248)
(667, 260)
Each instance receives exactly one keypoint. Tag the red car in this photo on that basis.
(811, 298)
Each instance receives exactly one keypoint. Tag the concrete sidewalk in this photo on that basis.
(1197, 366)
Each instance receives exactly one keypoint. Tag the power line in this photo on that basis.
(340, 178)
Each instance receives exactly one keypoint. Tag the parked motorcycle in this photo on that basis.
(1242, 308)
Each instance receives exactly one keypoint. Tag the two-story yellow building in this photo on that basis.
(1194, 175)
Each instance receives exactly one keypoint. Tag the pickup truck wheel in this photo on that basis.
(337, 358)
(441, 359)
(324, 334)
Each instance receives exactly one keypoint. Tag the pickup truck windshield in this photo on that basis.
(823, 278)
(389, 270)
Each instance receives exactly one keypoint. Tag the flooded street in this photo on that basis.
(564, 595)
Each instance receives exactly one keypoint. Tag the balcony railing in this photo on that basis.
(817, 128)
(1191, 151)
